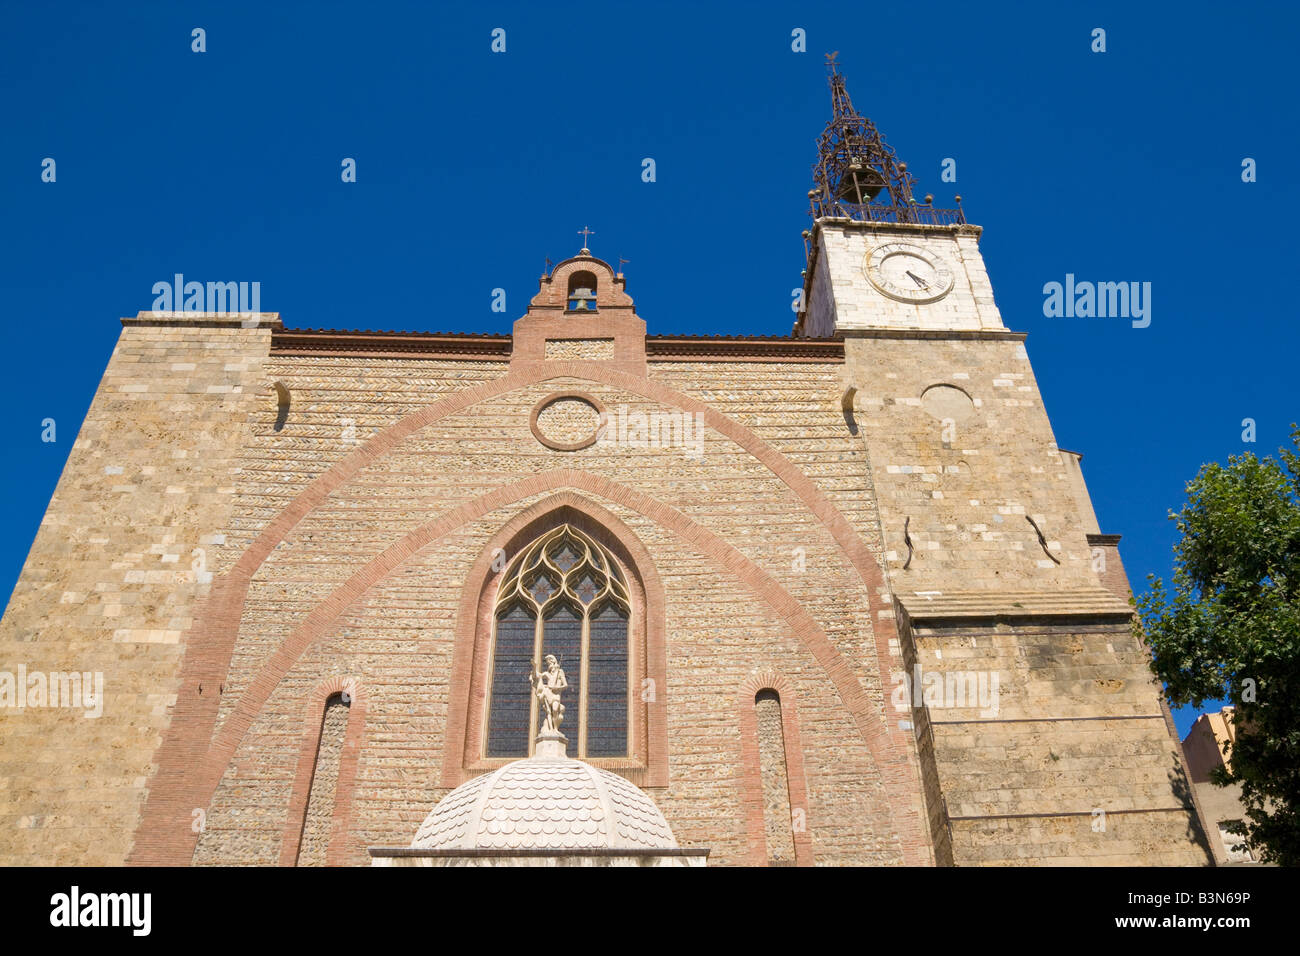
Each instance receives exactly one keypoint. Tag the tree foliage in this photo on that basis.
(1231, 628)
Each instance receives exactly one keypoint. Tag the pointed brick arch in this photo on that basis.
(750, 782)
(648, 763)
(309, 746)
(163, 835)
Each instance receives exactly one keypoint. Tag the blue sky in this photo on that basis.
(474, 166)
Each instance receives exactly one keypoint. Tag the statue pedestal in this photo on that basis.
(551, 745)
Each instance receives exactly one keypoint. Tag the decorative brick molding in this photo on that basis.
(192, 759)
(342, 824)
(750, 781)
(555, 444)
(647, 765)
(567, 337)
(434, 345)
(206, 320)
(743, 348)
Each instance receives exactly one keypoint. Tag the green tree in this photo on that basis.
(1231, 628)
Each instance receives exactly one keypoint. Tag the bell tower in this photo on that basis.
(992, 555)
(877, 257)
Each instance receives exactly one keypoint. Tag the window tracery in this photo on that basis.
(565, 595)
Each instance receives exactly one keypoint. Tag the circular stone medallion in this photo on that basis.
(948, 402)
(566, 421)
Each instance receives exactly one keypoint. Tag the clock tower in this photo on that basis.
(879, 258)
(994, 565)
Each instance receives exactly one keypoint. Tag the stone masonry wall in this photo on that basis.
(187, 456)
(1072, 763)
(967, 468)
(397, 641)
(962, 452)
(857, 304)
(126, 551)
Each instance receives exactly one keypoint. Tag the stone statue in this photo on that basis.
(547, 685)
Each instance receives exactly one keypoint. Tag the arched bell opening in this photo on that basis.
(581, 295)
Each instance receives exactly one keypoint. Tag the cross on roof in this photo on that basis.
(585, 232)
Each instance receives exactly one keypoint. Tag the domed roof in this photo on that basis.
(545, 802)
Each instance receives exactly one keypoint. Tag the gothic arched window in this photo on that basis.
(565, 595)
(318, 817)
(775, 777)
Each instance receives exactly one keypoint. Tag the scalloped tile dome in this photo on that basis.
(545, 803)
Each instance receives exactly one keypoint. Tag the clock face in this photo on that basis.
(908, 273)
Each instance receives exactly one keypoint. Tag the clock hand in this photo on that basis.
(918, 280)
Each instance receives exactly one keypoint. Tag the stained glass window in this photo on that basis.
(564, 557)
(542, 589)
(562, 595)
(511, 693)
(607, 684)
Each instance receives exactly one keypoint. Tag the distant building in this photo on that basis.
(1204, 749)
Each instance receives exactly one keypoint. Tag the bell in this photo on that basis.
(582, 300)
(859, 180)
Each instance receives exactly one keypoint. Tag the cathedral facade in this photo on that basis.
(834, 598)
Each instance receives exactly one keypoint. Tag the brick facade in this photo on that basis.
(349, 493)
